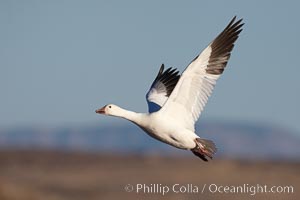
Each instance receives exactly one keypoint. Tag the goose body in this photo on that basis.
(175, 102)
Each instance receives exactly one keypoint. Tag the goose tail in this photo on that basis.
(204, 148)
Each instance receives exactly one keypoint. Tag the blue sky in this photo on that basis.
(60, 60)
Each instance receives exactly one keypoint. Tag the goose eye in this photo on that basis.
(109, 106)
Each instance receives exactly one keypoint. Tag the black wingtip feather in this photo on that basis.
(168, 78)
(222, 47)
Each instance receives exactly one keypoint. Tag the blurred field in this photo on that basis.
(29, 175)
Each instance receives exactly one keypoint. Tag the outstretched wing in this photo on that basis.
(198, 80)
(161, 88)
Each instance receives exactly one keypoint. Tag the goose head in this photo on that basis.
(109, 109)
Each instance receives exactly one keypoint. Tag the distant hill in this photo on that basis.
(234, 140)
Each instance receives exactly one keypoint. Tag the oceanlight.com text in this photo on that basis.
(249, 189)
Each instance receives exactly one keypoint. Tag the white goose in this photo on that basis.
(175, 102)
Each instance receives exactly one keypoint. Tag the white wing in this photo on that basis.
(198, 80)
(161, 88)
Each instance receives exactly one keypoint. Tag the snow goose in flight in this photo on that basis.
(176, 102)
